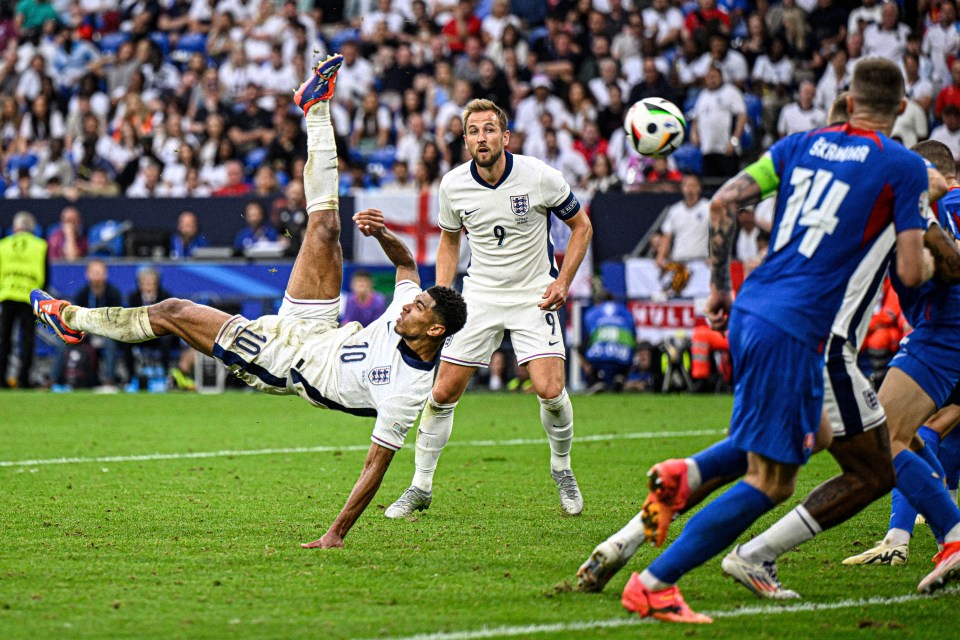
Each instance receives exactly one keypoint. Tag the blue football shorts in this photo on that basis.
(777, 392)
(930, 355)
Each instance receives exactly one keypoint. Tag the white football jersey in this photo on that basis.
(507, 224)
(368, 371)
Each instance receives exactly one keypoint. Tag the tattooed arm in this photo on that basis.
(740, 191)
(946, 255)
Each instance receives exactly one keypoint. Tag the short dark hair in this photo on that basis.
(939, 154)
(877, 86)
(450, 308)
(360, 273)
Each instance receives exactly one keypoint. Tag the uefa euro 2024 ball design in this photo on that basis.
(655, 127)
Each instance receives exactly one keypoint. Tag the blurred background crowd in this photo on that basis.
(149, 98)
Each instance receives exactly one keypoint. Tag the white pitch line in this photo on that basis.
(757, 610)
(644, 435)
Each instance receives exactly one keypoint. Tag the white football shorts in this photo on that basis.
(267, 346)
(534, 333)
(848, 397)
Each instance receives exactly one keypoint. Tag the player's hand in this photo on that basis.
(369, 221)
(555, 296)
(718, 309)
(328, 541)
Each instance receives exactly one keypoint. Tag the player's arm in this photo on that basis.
(746, 188)
(581, 231)
(374, 468)
(370, 223)
(945, 253)
(448, 257)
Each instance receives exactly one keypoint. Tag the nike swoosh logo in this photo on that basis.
(466, 213)
(553, 343)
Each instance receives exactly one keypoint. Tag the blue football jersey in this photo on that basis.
(610, 333)
(934, 303)
(839, 189)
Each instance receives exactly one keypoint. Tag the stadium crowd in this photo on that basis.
(153, 98)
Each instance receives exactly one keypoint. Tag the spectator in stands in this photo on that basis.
(74, 58)
(23, 267)
(402, 179)
(949, 132)
(99, 292)
(251, 126)
(461, 25)
(610, 118)
(99, 185)
(492, 84)
(30, 83)
(257, 230)
(147, 183)
(747, 247)
(608, 344)
(495, 23)
(187, 237)
(912, 125)
(719, 116)
(510, 45)
(24, 187)
(863, 16)
(801, 115)
(705, 21)
(10, 117)
(371, 125)
(653, 85)
(590, 144)
(119, 71)
(916, 88)
(582, 105)
(685, 227)
(568, 162)
(730, 61)
(288, 215)
(33, 15)
(174, 177)
(662, 176)
(661, 22)
(234, 185)
(265, 183)
(602, 178)
(363, 304)
(356, 76)
(148, 291)
(529, 109)
(949, 94)
(462, 94)
(55, 165)
(888, 39)
(41, 123)
(828, 26)
(941, 41)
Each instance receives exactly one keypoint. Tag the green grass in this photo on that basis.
(209, 547)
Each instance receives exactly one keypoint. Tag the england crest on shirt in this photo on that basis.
(520, 205)
(380, 375)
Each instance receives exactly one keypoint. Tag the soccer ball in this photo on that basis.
(655, 127)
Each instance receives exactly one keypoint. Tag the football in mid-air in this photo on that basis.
(655, 127)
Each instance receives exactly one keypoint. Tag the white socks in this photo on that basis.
(436, 423)
(123, 325)
(897, 537)
(793, 529)
(556, 415)
(693, 474)
(629, 538)
(321, 182)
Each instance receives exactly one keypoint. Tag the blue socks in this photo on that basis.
(917, 480)
(720, 461)
(711, 531)
(902, 514)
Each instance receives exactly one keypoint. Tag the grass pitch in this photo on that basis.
(207, 547)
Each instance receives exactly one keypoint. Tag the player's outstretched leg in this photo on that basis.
(317, 273)
(198, 325)
(615, 552)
